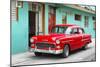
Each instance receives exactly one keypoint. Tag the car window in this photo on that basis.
(71, 31)
(68, 31)
(74, 31)
(59, 29)
(81, 30)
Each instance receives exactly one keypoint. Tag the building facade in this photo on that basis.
(29, 18)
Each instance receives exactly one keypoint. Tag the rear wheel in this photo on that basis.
(65, 51)
(38, 54)
(85, 47)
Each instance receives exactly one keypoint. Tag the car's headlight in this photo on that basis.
(57, 41)
(31, 40)
(53, 39)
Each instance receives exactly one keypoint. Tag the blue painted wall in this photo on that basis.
(20, 31)
(46, 18)
(61, 11)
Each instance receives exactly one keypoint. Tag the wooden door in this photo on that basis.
(32, 21)
(52, 18)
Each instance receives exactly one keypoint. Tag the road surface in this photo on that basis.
(28, 58)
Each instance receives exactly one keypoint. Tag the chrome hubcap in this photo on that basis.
(67, 51)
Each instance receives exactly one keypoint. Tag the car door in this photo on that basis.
(82, 34)
(76, 37)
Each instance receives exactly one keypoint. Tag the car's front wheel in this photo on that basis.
(65, 51)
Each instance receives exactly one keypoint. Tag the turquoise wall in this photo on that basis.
(61, 11)
(20, 31)
(46, 18)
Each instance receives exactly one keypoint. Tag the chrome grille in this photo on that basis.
(44, 45)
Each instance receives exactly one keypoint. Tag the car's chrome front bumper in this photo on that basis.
(47, 51)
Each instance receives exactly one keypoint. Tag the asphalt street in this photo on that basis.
(28, 58)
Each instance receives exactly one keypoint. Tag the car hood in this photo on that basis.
(48, 37)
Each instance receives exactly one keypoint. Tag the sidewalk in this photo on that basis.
(21, 57)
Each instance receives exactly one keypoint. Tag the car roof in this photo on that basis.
(65, 25)
(69, 25)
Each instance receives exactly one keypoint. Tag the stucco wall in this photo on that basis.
(19, 33)
(69, 12)
(46, 18)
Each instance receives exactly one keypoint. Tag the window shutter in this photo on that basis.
(13, 10)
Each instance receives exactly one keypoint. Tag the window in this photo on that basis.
(94, 22)
(93, 18)
(74, 31)
(86, 19)
(59, 29)
(81, 30)
(20, 4)
(68, 30)
(14, 11)
(64, 19)
(33, 7)
(77, 17)
(94, 25)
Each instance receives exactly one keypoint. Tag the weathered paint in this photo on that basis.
(19, 33)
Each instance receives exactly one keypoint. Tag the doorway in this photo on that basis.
(52, 18)
(32, 22)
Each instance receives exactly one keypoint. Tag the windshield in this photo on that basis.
(59, 29)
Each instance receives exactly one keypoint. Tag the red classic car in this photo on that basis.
(63, 39)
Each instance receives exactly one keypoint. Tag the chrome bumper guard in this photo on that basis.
(46, 51)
